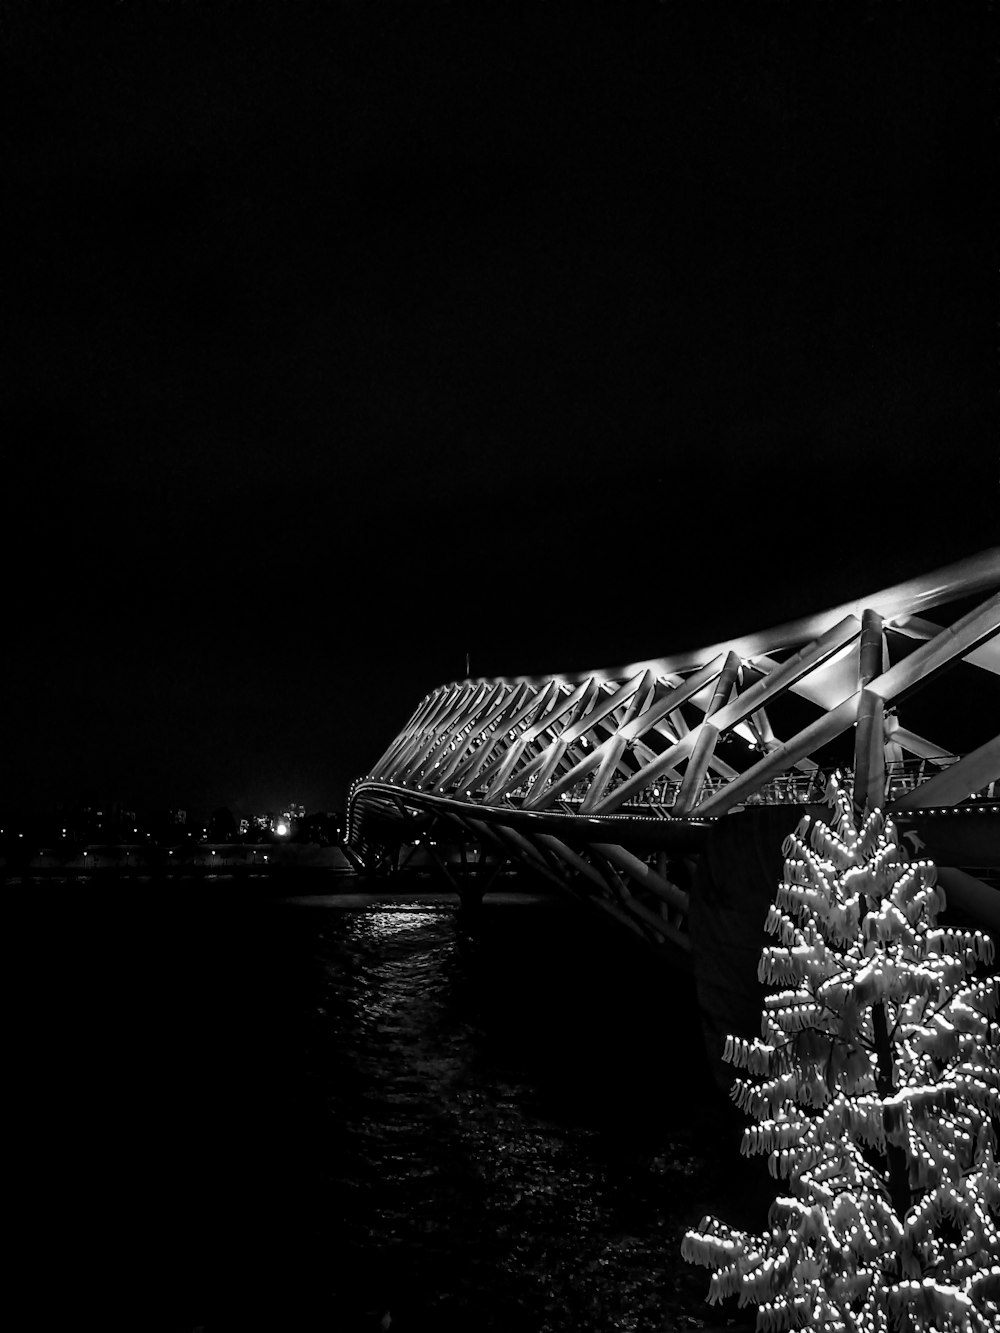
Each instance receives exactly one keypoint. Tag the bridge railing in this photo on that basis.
(901, 776)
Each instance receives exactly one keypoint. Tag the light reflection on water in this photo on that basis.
(304, 1113)
(506, 1164)
(385, 921)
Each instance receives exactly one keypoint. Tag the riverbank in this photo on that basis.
(137, 859)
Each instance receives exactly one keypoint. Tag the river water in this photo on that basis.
(249, 1112)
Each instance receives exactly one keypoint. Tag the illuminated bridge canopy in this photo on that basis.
(567, 772)
(697, 734)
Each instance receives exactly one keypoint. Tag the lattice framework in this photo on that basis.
(562, 772)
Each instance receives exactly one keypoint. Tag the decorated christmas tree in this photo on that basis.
(875, 1088)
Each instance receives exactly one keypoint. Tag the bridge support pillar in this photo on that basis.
(472, 888)
(470, 902)
(869, 748)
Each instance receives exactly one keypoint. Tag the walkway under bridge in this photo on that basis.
(614, 784)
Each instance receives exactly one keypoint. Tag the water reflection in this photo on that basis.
(506, 1156)
(305, 1114)
(386, 921)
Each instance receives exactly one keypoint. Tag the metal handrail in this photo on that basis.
(901, 775)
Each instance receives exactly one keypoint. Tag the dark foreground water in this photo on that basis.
(247, 1113)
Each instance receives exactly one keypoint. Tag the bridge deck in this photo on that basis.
(615, 784)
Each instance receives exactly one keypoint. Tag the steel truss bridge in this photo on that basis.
(615, 784)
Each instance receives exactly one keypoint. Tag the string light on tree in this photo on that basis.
(875, 1086)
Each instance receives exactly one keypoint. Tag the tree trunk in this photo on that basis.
(899, 1182)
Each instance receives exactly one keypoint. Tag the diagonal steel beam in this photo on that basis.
(645, 875)
(583, 708)
(517, 777)
(662, 765)
(633, 729)
(869, 737)
(704, 748)
(559, 749)
(526, 852)
(964, 578)
(572, 859)
(457, 700)
(409, 744)
(487, 772)
(672, 701)
(953, 784)
(567, 704)
(632, 904)
(783, 677)
(779, 680)
(956, 641)
(580, 863)
(776, 761)
(986, 656)
(419, 713)
(581, 725)
(495, 775)
(506, 777)
(496, 704)
(508, 717)
(608, 765)
(918, 745)
(974, 897)
(576, 774)
(551, 759)
(640, 699)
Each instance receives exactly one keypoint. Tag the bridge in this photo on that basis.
(659, 792)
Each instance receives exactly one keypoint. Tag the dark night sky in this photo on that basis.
(347, 337)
